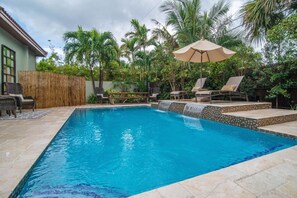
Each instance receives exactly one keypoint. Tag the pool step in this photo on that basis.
(289, 128)
(264, 117)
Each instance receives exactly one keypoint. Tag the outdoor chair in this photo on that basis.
(100, 96)
(181, 94)
(155, 92)
(230, 90)
(16, 90)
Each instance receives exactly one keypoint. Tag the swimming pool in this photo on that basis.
(118, 152)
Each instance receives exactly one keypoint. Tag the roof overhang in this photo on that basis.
(11, 26)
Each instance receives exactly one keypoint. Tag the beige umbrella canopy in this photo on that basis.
(203, 51)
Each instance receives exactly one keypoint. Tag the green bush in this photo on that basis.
(92, 99)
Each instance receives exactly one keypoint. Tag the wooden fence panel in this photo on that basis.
(53, 90)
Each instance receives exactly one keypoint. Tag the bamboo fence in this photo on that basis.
(53, 90)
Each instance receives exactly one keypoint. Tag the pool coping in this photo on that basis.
(13, 193)
(245, 179)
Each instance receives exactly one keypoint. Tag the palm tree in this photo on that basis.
(90, 48)
(260, 15)
(106, 51)
(190, 24)
(169, 40)
(129, 48)
(140, 34)
(79, 48)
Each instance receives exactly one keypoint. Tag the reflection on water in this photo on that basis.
(128, 140)
(192, 123)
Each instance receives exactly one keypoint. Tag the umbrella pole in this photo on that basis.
(201, 75)
(201, 70)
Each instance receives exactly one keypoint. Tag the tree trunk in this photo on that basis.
(93, 81)
(182, 80)
(101, 79)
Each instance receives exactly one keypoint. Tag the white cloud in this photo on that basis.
(46, 20)
(49, 20)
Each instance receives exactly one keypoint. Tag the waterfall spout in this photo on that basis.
(193, 110)
(164, 105)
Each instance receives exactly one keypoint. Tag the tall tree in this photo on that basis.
(141, 34)
(191, 24)
(80, 48)
(260, 15)
(129, 48)
(106, 50)
(90, 48)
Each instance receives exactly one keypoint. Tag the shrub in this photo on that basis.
(92, 99)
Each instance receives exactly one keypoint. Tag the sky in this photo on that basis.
(46, 20)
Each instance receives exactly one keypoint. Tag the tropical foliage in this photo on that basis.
(145, 56)
(261, 15)
(90, 48)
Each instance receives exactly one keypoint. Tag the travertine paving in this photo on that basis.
(273, 175)
(22, 142)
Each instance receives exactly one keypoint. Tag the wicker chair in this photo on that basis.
(16, 90)
(155, 92)
(99, 95)
(8, 104)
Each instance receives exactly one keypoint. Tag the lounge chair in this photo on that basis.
(230, 89)
(100, 96)
(16, 90)
(181, 94)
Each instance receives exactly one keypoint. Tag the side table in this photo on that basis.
(8, 104)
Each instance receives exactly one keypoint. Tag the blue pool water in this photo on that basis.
(118, 152)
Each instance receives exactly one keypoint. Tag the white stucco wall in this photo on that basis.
(106, 85)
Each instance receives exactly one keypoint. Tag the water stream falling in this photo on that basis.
(164, 105)
(193, 109)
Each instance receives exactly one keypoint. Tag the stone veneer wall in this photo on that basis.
(155, 105)
(247, 107)
(277, 120)
(215, 113)
(177, 107)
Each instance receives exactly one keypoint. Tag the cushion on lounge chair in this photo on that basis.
(28, 100)
(102, 96)
(228, 88)
(177, 92)
(18, 95)
(203, 92)
(203, 99)
(196, 89)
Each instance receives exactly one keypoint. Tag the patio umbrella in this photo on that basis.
(203, 51)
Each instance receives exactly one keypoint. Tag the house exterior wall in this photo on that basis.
(25, 58)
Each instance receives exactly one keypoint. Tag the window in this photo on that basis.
(8, 66)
